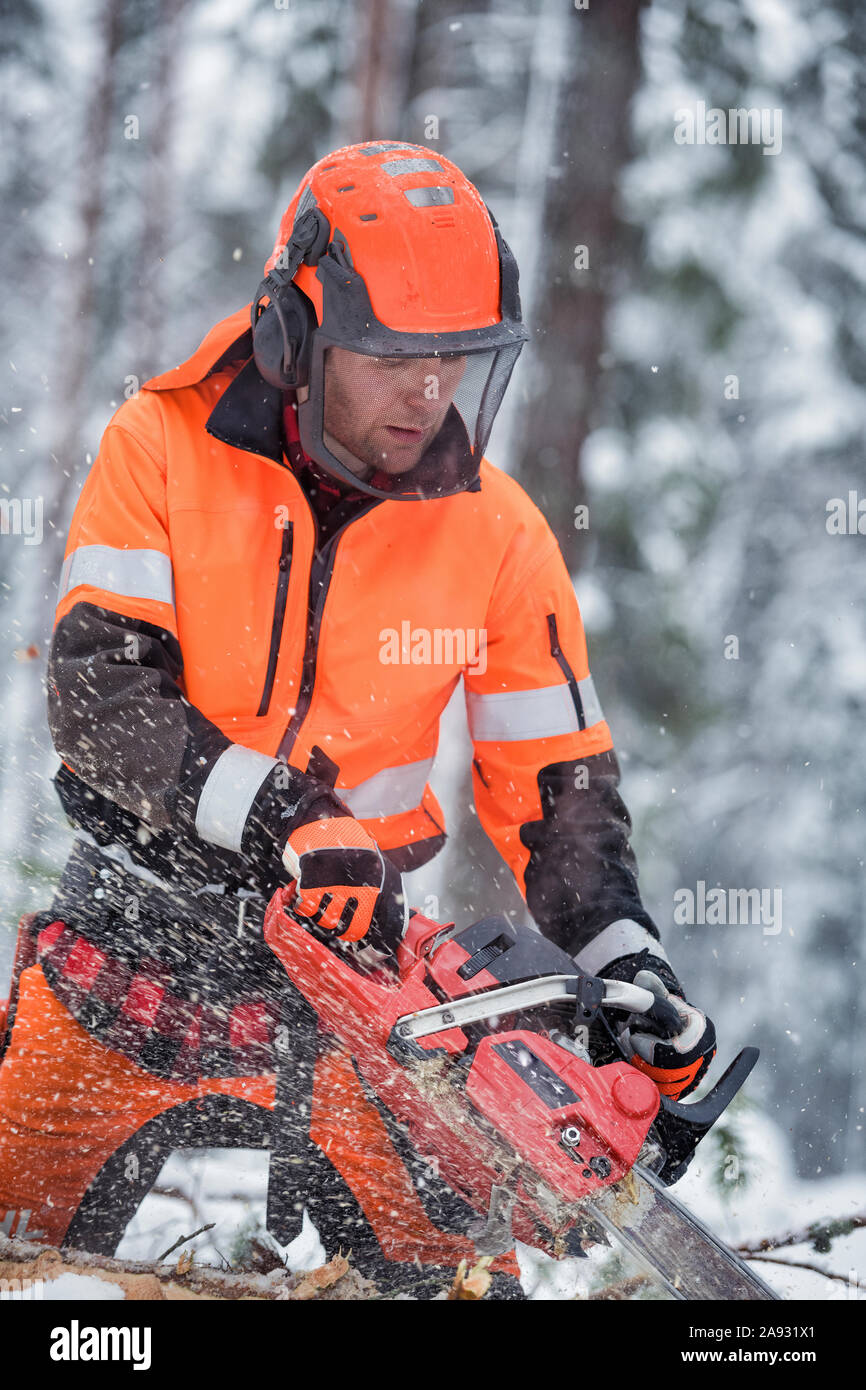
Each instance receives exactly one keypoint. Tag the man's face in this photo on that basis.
(386, 411)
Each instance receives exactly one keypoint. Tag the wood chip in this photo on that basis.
(473, 1285)
(313, 1283)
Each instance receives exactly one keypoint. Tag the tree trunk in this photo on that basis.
(386, 34)
(149, 303)
(75, 329)
(80, 319)
(591, 146)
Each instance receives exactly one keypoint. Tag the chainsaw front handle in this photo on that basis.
(531, 994)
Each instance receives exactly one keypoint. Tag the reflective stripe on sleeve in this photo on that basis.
(389, 793)
(511, 715)
(622, 938)
(592, 711)
(128, 573)
(228, 794)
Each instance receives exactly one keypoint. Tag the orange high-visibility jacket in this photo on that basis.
(212, 674)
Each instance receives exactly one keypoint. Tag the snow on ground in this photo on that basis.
(774, 1201)
(225, 1186)
(80, 1288)
(67, 1288)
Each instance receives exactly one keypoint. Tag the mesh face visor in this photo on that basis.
(409, 425)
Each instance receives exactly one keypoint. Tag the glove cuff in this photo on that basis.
(623, 948)
(391, 920)
(286, 800)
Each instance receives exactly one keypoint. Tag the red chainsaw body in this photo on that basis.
(512, 1106)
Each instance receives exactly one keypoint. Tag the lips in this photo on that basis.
(403, 435)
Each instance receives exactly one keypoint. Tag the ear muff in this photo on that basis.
(283, 331)
(282, 336)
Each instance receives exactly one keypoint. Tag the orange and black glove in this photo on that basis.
(344, 883)
(675, 1057)
(675, 1062)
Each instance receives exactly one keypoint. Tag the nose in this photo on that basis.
(413, 394)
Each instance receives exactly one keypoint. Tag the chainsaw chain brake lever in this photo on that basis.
(681, 1125)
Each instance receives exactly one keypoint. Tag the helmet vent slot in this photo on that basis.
(395, 167)
(383, 146)
(436, 196)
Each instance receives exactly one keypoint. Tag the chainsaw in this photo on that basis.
(477, 1049)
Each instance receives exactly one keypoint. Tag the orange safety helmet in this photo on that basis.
(393, 315)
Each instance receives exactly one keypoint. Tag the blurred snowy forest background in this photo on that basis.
(696, 378)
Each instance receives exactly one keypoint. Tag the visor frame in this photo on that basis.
(311, 411)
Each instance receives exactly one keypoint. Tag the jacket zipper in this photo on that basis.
(321, 572)
(559, 656)
(282, 594)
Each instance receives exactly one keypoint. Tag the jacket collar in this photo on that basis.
(248, 414)
(224, 341)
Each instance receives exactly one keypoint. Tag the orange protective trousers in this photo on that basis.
(67, 1103)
